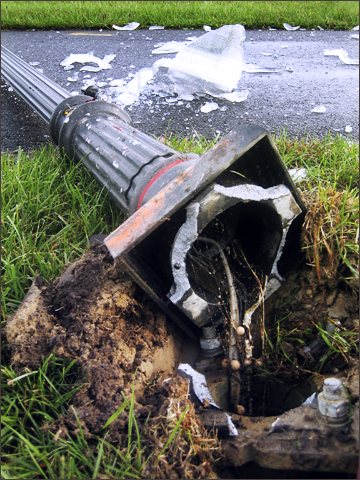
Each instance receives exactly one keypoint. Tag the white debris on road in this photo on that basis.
(319, 109)
(169, 47)
(103, 64)
(209, 107)
(290, 28)
(343, 55)
(131, 26)
(251, 68)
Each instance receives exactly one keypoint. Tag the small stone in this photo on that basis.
(240, 410)
(225, 363)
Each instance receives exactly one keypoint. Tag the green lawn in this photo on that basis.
(43, 15)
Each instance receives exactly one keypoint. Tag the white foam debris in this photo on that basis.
(207, 28)
(320, 28)
(103, 64)
(343, 55)
(156, 27)
(319, 109)
(298, 174)
(169, 47)
(68, 67)
(191, 39)
(272, 29)
(237, 96)
(274, 423)
(117, 83)
(290, 28)
(187, 98)
(266, 54)
(74, 78)
(209, 107)
(211, 64)
(348, 129)
(34, 64)
(133, 89)
(131, 26)
(251, 68)
(90, 68)
(356, 36)
(201, 390)
(356, 28)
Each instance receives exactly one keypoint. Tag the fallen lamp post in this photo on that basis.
(209, 237)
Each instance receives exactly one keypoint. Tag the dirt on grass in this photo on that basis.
(94, 313)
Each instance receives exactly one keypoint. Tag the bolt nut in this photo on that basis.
(209, 332)
(209, 343)
(333, 402)
(332, 388)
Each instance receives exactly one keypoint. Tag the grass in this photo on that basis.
(43, 15)
(31, 403)
(49, 208)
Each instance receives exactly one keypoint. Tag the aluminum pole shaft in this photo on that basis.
(42, 94)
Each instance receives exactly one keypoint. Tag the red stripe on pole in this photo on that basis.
(156, 177)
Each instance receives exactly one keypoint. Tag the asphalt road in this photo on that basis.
(276, 101)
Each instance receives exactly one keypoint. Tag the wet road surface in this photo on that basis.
(276, 101)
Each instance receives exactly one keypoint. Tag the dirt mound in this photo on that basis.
(95, 313)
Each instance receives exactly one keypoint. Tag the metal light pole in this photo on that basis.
(208, 238)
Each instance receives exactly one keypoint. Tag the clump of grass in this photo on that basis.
(49, 210)
(332, 161)
(198, 144)
(35, 402)
(331, 194)
(330, 234)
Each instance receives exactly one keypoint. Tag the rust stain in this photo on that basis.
(143, 219)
